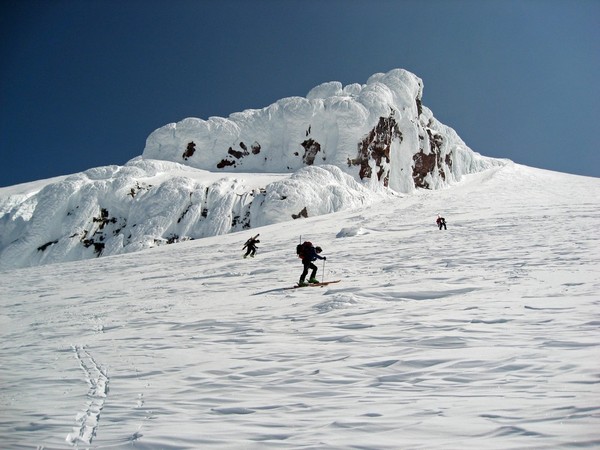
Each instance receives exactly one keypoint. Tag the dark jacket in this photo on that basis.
(311, 255)
(251, 243)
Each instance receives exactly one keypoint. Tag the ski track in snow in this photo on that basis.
(483, 336)
(97, 379)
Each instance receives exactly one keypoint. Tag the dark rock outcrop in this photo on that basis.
(311, 148)
(376, 147)
(189, 151)
(430, 162)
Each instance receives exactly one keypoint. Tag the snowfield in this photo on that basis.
(484, 336)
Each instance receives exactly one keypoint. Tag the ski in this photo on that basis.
(324, 283)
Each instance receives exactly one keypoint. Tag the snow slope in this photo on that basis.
(484, 336)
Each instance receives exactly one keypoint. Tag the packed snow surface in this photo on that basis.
(484, 336)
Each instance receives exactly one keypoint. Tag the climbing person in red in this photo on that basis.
(308, 253)
(441, 222)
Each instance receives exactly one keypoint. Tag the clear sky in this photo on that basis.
(83, 83)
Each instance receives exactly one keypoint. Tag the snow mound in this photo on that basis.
(351, 231)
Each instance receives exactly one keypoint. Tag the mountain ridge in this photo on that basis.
(338, 148)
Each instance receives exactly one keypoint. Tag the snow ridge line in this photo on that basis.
(97, 379)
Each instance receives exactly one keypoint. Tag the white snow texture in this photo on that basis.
(483, 336)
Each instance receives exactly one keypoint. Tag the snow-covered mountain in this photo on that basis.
(336, 149)
(481, 337)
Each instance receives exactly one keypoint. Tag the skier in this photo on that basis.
(308, 253)
(441, 222)
(250, 245)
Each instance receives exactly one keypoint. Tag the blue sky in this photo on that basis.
(83, 83)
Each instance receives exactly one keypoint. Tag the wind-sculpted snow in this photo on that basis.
(379, 130)
(480, 337)
(114, 210)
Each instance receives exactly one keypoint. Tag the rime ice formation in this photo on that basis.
(338, 148)
(379, 131)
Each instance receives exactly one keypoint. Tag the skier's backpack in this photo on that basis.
(302, 249)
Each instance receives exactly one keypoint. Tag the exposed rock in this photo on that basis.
(138, 187)
(98, 246)
(236, 154)
(239, 155)
(255, 148)
(303, 213)
(419, 106)
(103, 219)
(189, 151)
(376, 147)
(41, 248)
(428, 163)
(311, 148)
(424, 165)
(224, 163)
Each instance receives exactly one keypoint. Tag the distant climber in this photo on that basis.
(250, 245)
(441, 222)
(308, 254)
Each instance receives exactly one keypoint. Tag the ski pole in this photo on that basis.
(323, 270)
